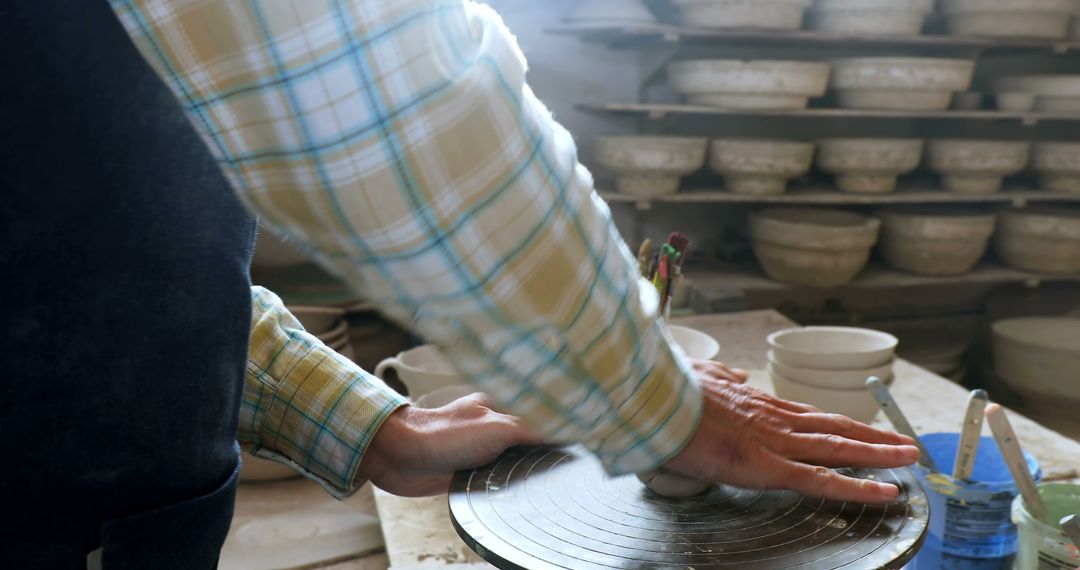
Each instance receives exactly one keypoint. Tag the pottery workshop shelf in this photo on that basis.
(831, 197)
(749, 278)
(657, 111)
(644, 35)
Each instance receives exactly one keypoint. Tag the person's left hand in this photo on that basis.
(417, 451)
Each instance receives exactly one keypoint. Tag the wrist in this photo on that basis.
(384, 454)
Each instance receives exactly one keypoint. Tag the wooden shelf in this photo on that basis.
(627, 36)
(824, 196)
(658, 111)
(744, 278)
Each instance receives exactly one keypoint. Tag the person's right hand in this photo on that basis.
(750, 439)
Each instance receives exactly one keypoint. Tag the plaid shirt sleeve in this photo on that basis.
(304, 404)
(398, 143)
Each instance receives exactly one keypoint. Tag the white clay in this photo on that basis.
(667, 484)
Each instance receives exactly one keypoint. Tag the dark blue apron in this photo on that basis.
(125, 307)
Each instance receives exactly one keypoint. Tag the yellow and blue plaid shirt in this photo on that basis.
(398, 144)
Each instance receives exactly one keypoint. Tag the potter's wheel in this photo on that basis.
(544, 508)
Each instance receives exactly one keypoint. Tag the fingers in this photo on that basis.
(849, 428)
(816, 481)
(833, 450)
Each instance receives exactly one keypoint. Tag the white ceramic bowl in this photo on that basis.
(1058, 165)
(1010, 18)
(868, 166)
(759, 166)
(976, 166)
(744, 14)
(649, 166)
(908, 83)
(869, 17)
(812, 247)
(1040, 239)
(611, 11)
(1040, 359)
(1049, 85)
(754, 84)
(1015, 101)
(931, 241)
(833, 348)
(829, 379)
(695, 343)
(857, 404)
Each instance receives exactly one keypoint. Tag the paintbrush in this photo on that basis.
(1070, 525)
(1014, 458)
(643, 258)
(899, 421)
(969, 435)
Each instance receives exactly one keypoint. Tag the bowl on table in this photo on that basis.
(695, 343)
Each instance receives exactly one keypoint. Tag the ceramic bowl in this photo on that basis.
(1048, 85)
(753, 84)
(1040, 239)
(829, 379)
(812, 247)
(1058, 165)
(335, 335)
(933, 241)
(1039, 358)
(857, 404)
(695, 343)
(316, 319)
(422, 370)
(1015, 101)
(611, 11)
(1047, 19)
(869, 17)
(905, 83)
(976, 166)
(759, 166)
(743, 14)
(833, 348)
(868, 166)
(649, 166)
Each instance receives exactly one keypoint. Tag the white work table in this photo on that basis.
(418, 533)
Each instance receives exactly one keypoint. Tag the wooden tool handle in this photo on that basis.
(1014, 458)
(1070, 525)
(969, 435)
(899, 421)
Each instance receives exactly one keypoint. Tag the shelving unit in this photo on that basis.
(825, 196)
(636, 36)
(657, 111)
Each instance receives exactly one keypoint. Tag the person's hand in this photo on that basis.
(750, 439)
(417, 451)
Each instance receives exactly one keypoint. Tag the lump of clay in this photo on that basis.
(668, 484)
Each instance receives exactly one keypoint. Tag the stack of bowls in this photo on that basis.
(1054, 93)
(1040, 239)
(1010, 18)
(812, 247)
(1058, 165)
(871, 17)
(907, 83)
(754, 84)
(649, 166)
(327, 324)
(760, 166)
(1038, 357)
(746, 14)
(868, 166)
(932, 241)
(827, 367)
(976, 166)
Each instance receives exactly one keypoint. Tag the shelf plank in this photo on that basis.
(661, 110)
(632, 35)
(811, 196)
(744, 278)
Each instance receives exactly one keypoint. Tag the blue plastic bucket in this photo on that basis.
(970, 521)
